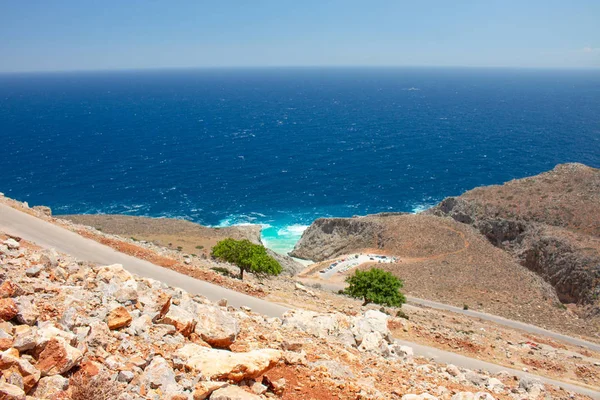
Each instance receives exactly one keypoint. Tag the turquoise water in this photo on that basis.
(281, 147)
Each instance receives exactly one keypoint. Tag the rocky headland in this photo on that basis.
(527, 250)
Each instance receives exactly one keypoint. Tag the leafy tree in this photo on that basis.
(375, 286)
(247, 256)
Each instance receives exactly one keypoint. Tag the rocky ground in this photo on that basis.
(444, 330)
(72, 330)
(167, 232)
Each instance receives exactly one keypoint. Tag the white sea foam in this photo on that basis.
(292, 230)
(419, 208)
(242, 220)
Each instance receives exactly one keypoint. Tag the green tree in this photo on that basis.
(375, 286)
(247, 256)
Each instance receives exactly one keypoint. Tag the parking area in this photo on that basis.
(354, 260)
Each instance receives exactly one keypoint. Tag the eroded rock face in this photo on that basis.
(559, 243)
(326, 238)
(289, 266)
(224, 365)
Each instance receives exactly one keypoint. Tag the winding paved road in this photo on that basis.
(413, 301)
(507, 322)
(48, 235)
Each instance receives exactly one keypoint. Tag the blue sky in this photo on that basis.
(42, 35)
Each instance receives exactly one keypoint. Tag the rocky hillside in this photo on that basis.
(547, 224)
(550, 223)
(168, 232)
(186, 236)
(440, 259)
(71, 330)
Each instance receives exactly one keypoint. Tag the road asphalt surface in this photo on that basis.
(48, 235)
(507, 322)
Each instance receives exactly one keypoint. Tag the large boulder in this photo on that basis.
(159, 375)
(181, 319)
(6, 339)
(58, 357)
(8, 309)
(371, 321)
(28, 311)
(351, 331)
(115, 273)
(216, 327)
(205, 388)
(50, 386)
(12, 244)
(216, 364)
(155, 303)
(317, 324)
(10, 289)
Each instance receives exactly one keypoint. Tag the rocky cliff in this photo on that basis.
(328, 237)
(550, 223)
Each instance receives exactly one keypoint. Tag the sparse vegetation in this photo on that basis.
(99, 387)
(376, 286)
(401, 314)
(465, 307)
(199, 247)
(247, 256)
(222, 271)
(561, 306)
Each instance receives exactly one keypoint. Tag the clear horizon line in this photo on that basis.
(241, 67)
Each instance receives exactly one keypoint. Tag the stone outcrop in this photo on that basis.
(216, 364)
(326, 238)
(290, 267)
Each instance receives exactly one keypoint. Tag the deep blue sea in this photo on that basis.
(281, 147)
